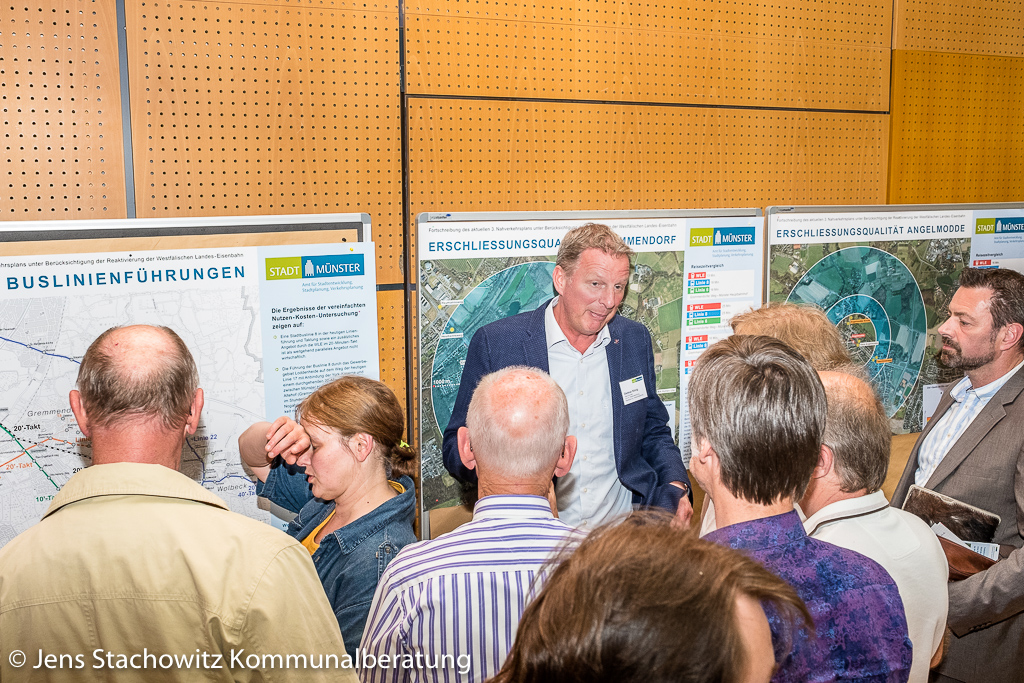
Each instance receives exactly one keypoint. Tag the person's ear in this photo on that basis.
(564, 463)
(1011, 336)
(705, 454)
(361, 445)
(826, 460)
(466, 449)
(75, 398)
(559, 278)
(192, 423)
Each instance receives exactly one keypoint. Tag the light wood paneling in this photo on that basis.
(957, 128)
(60, 133)
(861, 22)
(268, 108)
(487, 57)
(832, 55)
(500, 156)
(274, 107)
(992, 27)
(391, 331)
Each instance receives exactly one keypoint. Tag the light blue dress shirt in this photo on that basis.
(591, 492)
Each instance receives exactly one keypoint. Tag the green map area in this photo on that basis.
(886, 299)
(459, 296)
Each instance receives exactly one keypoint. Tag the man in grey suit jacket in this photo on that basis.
(973, 450)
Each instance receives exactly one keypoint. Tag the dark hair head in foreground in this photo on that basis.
(644, 601)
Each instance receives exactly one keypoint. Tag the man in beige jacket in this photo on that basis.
(136, 572)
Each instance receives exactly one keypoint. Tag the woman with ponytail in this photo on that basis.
(344, 468)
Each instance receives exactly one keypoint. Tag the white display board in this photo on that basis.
(270, 308)
(692, 270)
(884, 275)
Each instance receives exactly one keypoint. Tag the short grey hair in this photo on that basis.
(517, 421)
(857, 431)
(162, 386)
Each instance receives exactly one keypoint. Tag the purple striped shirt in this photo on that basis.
(447, 610)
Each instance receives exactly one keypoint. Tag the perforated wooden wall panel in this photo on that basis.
(497, 156)
(60, 102)
(992, 27)
(391, 332)
(273, 107)
(739, 53)
(957, 128)
(846, 21)
(246, 108)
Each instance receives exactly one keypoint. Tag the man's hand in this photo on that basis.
(286, 438)
(684, 513)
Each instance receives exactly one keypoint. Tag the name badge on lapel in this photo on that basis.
(633, 390)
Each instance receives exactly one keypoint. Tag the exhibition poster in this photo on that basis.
(268, 322)
(473, 272)
(724, 277)
(885, 278)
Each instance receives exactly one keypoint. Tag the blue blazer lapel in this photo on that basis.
(535, 342)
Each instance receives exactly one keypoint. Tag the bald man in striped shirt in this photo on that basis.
(448, 609)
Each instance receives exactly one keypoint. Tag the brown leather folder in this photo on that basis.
(968, 522)
(963, 562)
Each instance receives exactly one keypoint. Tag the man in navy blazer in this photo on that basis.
(605, 365)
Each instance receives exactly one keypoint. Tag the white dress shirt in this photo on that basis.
(968, 403)
(591, 492)
(908, 550)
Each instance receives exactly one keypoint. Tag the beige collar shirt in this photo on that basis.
(137, 573)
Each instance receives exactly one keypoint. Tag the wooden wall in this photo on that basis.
(957, 102)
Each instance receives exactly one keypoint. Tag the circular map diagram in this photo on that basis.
(513, 290)
(877, 306)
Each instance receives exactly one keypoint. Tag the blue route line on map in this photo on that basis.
(232, 476)
(53, 355)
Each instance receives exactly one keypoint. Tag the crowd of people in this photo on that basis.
(580, 562)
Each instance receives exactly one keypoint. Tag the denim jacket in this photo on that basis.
(350, 560)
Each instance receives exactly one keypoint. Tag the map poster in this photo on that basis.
(998, 238)
(478, 268)
(884, 276)
(53, 305)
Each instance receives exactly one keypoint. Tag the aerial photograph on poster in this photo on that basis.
(887, 299)
(458, 296)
